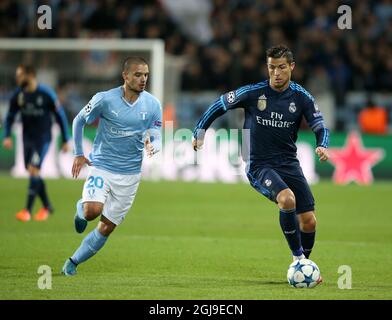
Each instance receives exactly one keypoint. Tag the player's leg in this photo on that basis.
(288, 221)
(86, 211)
(268, 182)
(95, 191)
(295, 179)
(90, 245)
(94, 241)
(122, 193)
(307, 224)
(33, 187)
(43, 213)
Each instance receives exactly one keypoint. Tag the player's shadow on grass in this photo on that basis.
(228, 282)
(263, 282)
(59, 275)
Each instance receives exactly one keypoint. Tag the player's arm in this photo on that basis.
(86, 116)
(61, 119)
(153, 142)
(9, 120)
(315, 121)
(230, 100)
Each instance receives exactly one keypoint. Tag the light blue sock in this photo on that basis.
(93, 242)
(79, 210)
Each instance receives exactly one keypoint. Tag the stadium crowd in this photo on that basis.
(241, 30)
(229, 47)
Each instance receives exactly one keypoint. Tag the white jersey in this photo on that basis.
(119, 141)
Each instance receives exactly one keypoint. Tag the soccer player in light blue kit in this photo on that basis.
(130, 120)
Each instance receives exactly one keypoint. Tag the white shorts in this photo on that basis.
(115, 191)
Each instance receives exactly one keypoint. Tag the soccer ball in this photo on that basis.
(303, 273)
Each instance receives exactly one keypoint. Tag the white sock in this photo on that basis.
(299, 257)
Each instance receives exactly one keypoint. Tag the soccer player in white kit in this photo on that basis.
(130, 119)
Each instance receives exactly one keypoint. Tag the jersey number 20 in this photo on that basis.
(95, 182)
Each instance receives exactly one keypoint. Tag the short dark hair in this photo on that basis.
(280, 51)
(133, 60)
(27, 68)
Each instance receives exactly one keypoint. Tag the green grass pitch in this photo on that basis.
(197, 241)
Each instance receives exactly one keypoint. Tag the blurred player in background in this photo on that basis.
(273, 112)
(130, 119)
(36, 103)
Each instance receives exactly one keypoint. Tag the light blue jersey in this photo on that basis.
(119, 141)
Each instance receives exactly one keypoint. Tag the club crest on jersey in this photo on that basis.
(262, 102)
(292, 107)
(231, 97)
(143, 114)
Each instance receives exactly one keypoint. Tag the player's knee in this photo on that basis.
(91, 211)
(308, 223)
(33, 171)
(106, 227)
(286, 199)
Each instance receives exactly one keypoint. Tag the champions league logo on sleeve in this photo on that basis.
(317, 112)
(231, 97)
(87, 108)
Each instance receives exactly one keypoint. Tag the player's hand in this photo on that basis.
(197, 144)
(7, 143)
(65, 147)
(149, 147)
(78, 164)
(322, 153)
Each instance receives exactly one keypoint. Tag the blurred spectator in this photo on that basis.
(223, 42)
(240, 30)
(318, 83)
(103, 17)
(373, 119)
(9, 13)
(192, 16)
